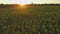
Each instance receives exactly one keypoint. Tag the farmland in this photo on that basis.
(30, 20)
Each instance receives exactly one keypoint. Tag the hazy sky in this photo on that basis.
(28, 1)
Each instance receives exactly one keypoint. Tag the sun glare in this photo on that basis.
(22, 4)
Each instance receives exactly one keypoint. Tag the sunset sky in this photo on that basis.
(28, 1)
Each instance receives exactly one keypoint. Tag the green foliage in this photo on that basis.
(32, 20)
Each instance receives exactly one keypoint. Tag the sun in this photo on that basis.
(22, 4)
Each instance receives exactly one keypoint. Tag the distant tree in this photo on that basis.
(1, 4)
